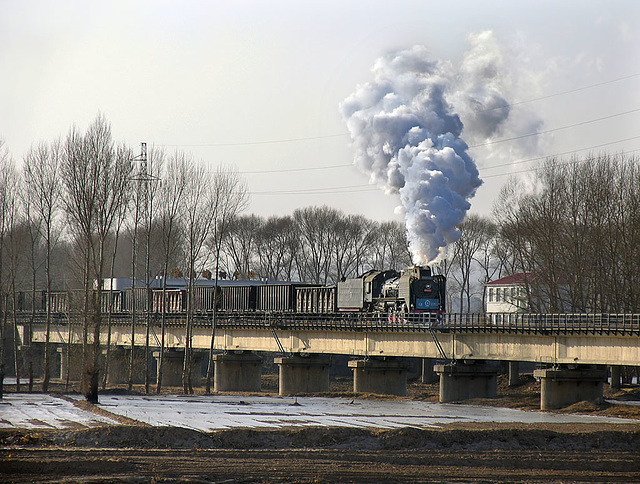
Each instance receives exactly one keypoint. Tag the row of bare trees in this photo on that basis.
(84, 208)
(579, 232)
(573, 227)
(314, 244)
(67, 209)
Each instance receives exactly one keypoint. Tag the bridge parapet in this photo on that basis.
(623, 324)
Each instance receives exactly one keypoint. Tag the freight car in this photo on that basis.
(413, 290)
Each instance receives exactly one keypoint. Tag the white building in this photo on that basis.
(518, 292)
(508, 294)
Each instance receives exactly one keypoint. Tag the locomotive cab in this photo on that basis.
(422, 291)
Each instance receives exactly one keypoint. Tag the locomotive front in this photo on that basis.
(422, 291)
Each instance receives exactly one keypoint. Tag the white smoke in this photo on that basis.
(406, 137)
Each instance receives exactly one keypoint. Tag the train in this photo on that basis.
(413, 290)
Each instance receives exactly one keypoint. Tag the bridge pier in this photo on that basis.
(616, 374)
(237, 372)
(386, 377)
(118, 372)
(428, 375)
(514, 373)
(174, 363)
(119, 361)
(462, 381)
(70, 362)
(562, 387)
(303, 374)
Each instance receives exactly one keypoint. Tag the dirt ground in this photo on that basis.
(455, 453)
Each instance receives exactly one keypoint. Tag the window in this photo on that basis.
(491, 294)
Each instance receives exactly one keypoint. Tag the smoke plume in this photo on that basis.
(406, 137)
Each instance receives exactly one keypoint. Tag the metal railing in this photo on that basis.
(521, 323)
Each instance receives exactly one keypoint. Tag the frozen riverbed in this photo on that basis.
(208, 413)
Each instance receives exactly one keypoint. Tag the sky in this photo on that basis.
(260, 86)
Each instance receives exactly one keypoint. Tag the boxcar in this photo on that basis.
(174, 301)
(277, 297)
(238, 298)
(316, 299)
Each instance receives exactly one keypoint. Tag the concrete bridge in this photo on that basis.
(573, 349)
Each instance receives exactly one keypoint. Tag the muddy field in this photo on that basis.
(457, 453)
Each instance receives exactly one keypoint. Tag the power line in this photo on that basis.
(337, 135)
(560, 154)
(583, 88)
(504, 140)
(320, 191)
(287, 170)
(349, 165)
(266, 142)
(371, 188)
(528, 170)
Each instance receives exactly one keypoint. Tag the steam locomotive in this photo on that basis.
(412, 290)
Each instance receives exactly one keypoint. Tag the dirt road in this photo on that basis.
(471, 453)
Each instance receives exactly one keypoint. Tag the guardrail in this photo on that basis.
(522, 323)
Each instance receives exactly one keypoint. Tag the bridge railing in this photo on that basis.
(599, 323)
(523, 323)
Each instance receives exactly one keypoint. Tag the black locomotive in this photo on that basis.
(412, 290)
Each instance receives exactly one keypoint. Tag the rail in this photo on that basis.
(522, 323)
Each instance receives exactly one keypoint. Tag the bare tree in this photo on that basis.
(6, 167)
(174, 183)
(16, 239)
(241, 244)
(577, 235)
(390, 247)
(487, 257)
(43, 188)
(96, 174)
(118, 226)
(474, 230)
(228, 200)
(277, 247)
(198, 220)
(353, 238)
(316, 227)
(36, 260)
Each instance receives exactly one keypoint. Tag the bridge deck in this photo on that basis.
(608, 339)
(518, 323)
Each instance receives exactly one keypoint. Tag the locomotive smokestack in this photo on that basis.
(407, 139)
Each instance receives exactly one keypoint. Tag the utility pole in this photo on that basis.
(145, 178)
(140, 197)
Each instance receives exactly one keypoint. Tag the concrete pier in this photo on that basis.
(119, 361)
(428, 375)
(237, 372)
(173, 365)
(463, 381)
(514, 373)
(385, 377)
(70, 363)
(303, 374)
(616, 374)
(562, 387)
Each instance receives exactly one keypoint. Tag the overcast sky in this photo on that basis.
(258, 84)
